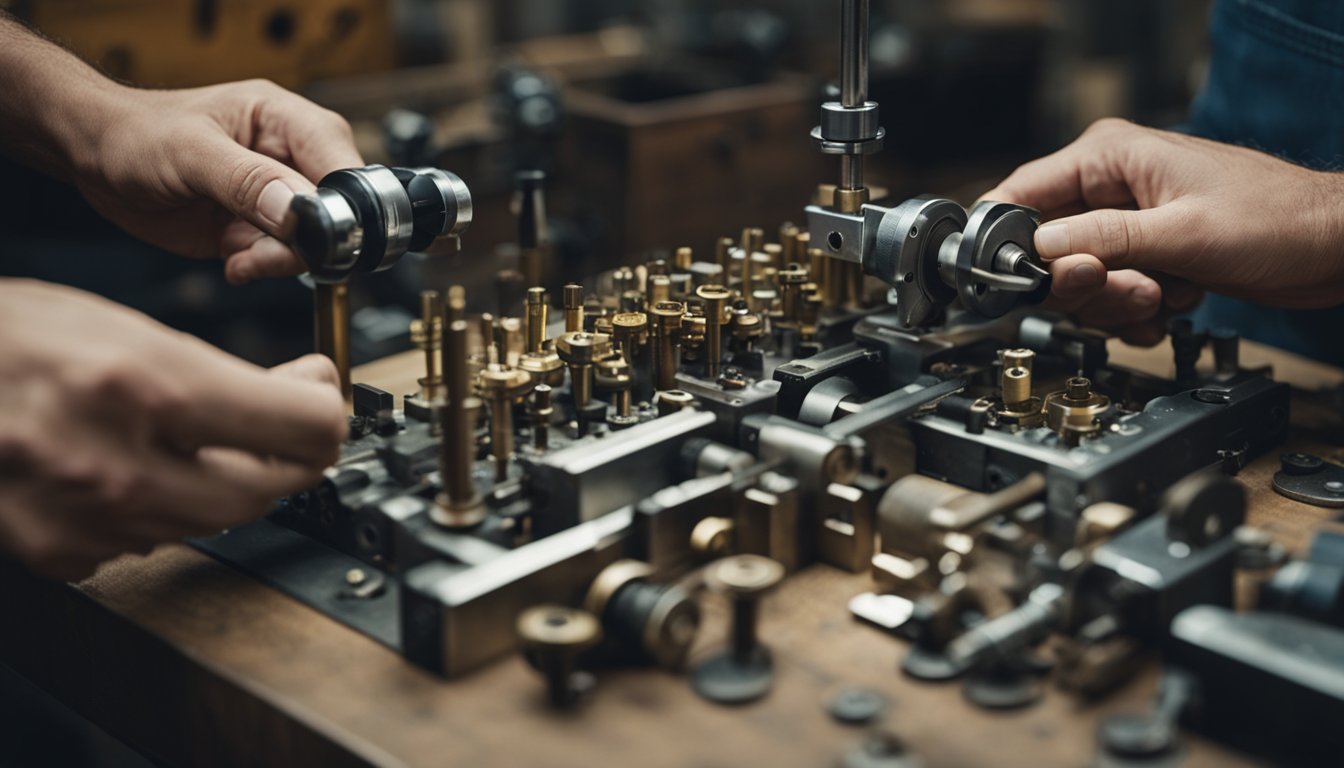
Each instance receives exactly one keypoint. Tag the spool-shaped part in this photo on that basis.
(905, 255)
(441, 205)
(384, 211)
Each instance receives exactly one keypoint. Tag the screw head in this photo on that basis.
(743, 576)
(558, 628)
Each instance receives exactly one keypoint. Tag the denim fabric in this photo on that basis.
(1276, 83)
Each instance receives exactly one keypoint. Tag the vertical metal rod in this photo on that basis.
(458, 431)
(538, 309)
(744, 628)
(853, 53)
(331, 327)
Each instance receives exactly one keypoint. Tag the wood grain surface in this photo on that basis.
(196, 664)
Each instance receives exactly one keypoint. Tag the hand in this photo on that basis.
(117, 433)
(210, 172)
(1140, 221)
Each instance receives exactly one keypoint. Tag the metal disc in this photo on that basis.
(724, 680)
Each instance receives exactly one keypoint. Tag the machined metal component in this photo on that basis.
(538, 310)
(653, 621)
(366, 219)
(746, 671)
(712, 537)
(458, 505)
(540, 410)
(611, 374)
(1310, 480)
(502, 386)
(849, 128)
(579, 350)
(573, 297)
(427, 335)
(331, 327)
(1019, 406)
(715, 298)
(553, 637)
(1073, 412)
(667, 319)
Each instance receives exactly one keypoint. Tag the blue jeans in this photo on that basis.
(1276, 83)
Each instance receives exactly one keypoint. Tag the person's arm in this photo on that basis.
(203, 172)
(1140, 221)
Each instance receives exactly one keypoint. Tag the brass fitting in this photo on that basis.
(458, 505)
(682, 259)
(791, 282)
(715, 298)
(509, 340)
(538, 313)
(630, 329)
(1016, 378)
(502, 386)
(331, 327)
(573, 297)
(579, 350)
(612, 375)
(1073, 413)
(667, 320)
(427, 335)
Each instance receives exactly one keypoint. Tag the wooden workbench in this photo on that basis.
(193, 663)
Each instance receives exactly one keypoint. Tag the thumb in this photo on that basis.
(1120, 239)
(250, 185)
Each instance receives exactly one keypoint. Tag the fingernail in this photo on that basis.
(1084, 276)
(274, 201)
(1052, 240)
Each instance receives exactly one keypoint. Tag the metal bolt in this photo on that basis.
(553, 637)
(667, 319)
(715, 298)
(580, 350)
(538, 309)
(745, 579)
(573, 297)
(459, 505)
(503, 385)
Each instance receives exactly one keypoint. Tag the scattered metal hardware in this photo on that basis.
(1310, 480)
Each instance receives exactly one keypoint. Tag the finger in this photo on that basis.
(314, 367)
(1119, 239)
(1092, 172)
(316, 140)
(229, 403)
(1128, 297)
(265, 257)
(1147, 334)
(1076, 277)
(250, 185)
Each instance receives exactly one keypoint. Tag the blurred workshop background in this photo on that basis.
(659, 123)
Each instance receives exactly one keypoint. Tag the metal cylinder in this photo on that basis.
(715, 298)
(853, 52)
(573, 298)
(744, 628)
(581, 384)
(539, 407)
(331, 327)
(456, 455)
(667, 317)
(501, 436)
(538, 311)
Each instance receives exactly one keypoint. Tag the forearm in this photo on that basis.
(53, 107)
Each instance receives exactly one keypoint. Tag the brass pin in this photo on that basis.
(331, 327)
(538, 313)
(573, 297)
(458, 505)
(667, 319)
(715, 298)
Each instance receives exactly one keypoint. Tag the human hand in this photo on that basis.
(1139, 222)
(210, 172)
(117, 433)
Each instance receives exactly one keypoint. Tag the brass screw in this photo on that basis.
(715, 298)
(553, 637)
(573, 296)
(458, 506)
(580, 350)
(667, 319)
(503, 385)
(682, 259)
(427, 334)
(538, 310)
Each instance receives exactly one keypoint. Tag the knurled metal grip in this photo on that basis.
(366, 219)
